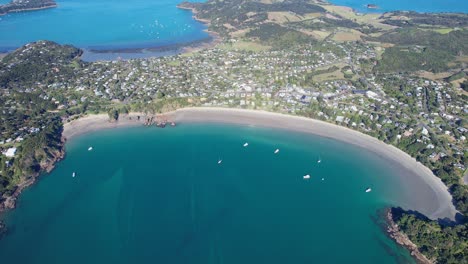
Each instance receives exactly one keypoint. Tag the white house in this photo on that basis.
(10, 152)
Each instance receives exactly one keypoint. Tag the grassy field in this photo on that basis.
(348, 13)
(336, 75)
(244, 45)
(347, 35)
(285, 17)
(317, 34)
(434, 76)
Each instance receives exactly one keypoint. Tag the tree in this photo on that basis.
(113, 114)
(464, 85)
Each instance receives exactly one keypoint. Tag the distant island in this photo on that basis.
(372, 6)
(26, 5)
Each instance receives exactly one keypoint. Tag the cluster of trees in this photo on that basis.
(46, 61)
(278, 36)
(40, 148)
(113, 114)
(464, 85)
(33, 154)
(420, 50)
(453, 42)
(444, 244)
(434, 19)
(409, 59)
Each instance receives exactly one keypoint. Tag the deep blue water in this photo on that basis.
(149, 195)
(423, 6)
(103, 24)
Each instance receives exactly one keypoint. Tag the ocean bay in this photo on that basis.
(148, 194)
(104, 25)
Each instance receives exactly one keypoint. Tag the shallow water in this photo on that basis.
(149, 195)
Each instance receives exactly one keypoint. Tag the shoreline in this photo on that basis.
(215, 37)
(429, 195)
(28, 9)
(402, 239)
(9, 202)
(211, 41)
(94, 54)
(92, 123)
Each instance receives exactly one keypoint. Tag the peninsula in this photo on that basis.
(26, 5)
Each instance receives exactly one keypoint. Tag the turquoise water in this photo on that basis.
(103, 24)
(423, 6)
(149, 195)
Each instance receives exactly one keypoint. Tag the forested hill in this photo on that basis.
(43, 61)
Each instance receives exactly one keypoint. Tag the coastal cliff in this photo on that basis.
(26, 5)
(8, 202)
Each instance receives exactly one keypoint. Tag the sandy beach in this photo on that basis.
(92, 123)
(429, 195)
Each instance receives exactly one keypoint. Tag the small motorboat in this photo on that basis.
(276, 151)
(306, 177)
(90, 148)
(368, 190)
(246, 144)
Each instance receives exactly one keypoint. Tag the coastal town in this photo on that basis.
(305, 81)
(358, 83)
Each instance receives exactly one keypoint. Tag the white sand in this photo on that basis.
(429, 195)
(98, 122)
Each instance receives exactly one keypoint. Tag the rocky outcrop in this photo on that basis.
(9, 201)
(395, 233)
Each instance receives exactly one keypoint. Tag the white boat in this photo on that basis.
(246, 144)
(219, 161)
(90, 148)
(368, 190)
(73, 174)
(306, 177)
(276, 151)
(323, 179)
(319, 160)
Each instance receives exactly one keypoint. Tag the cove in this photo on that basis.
(104, 25)
(149, 195)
